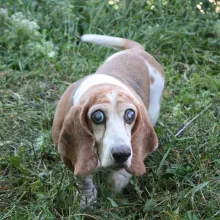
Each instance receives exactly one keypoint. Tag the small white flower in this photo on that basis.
(51, 54)
(3, 14)
(116, 7)
(111, 2)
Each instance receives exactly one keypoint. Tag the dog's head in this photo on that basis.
(109, 127)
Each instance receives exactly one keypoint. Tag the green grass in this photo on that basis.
(38, 61)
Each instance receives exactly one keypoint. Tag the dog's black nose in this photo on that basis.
(121, 154)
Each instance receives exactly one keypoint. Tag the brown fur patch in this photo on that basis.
(143, 141)
(76, 142)
(132, 44)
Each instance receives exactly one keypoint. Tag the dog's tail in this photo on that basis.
(111, 41)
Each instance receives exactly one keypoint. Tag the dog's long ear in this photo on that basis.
(76, 142)
(143, 141)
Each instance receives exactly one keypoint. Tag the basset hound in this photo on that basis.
(105, 120)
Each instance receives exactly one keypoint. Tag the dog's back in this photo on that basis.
(133, 65)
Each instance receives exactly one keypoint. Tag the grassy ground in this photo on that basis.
(41, 54)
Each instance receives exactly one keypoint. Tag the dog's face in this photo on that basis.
(111, 122)
(110, 128)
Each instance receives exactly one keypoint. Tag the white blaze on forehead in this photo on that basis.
(95, 80)
(115, 134)
(112, 98)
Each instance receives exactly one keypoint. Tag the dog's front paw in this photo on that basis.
(88, 197)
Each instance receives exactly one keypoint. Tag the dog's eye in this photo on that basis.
(129, 116)
(98, 117)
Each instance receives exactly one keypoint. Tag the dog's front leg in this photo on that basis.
(118, 180)
(87, 191)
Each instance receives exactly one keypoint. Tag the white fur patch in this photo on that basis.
(103, 40)
(115, 134)
(156, 90)
(118, 180)
(115, 55)
(96, 79)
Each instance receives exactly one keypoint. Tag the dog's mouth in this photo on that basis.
(114, 166)
(119, 166)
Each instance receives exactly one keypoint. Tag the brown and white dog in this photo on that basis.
(106, 119)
